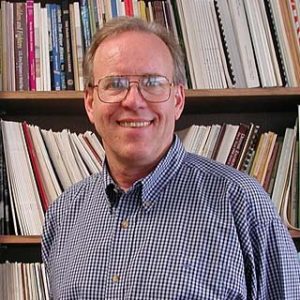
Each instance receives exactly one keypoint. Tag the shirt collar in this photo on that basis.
(153, 183)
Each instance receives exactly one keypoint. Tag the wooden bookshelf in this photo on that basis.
(272, 108)
(15, 239)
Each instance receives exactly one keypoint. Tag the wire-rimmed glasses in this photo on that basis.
(153, 88)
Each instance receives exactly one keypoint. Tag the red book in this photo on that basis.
(35, 166)
(128, 8)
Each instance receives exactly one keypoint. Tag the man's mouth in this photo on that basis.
(134, 124)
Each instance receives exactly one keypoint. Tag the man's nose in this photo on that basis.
(134, 97)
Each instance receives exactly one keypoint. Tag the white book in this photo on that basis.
(94, 141)
(194, 26)
(24, 189)
(231, 44)
(266, 26)
(79, 160)
(38, 45)
(45, 282)
(226, 143)
(50, 179)
(56, 158)
(46, 75)
(92, 168)
(185, 36)
(79, 43)
(283, 167)
(241, 30)
(260, 44)
(88, 149)
(204, 137)
(211, 140)
(225, 67)
(216, 66)
(64, 145)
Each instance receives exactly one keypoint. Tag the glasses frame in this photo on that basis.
(171, 84)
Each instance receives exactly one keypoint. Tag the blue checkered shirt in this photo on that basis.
(192, 229)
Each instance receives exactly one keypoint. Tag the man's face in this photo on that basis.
(134, 131)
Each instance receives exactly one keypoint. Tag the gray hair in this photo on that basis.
(124, 24)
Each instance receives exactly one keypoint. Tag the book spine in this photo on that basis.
(35, 166)
(114, 11)
(56, 75)
(68, 55)
(237, 146)
(31, 50)
(275, 38)
(128, 8)
(85, 23)
(21, 51)
(61, 49)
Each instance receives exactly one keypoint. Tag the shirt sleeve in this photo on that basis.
(277, 266)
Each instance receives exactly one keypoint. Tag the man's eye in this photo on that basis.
(116, 83)
(151, 82)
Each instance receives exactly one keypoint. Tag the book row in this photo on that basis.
(233, 43)
(272, 160)
(21, 281)
(43, 45)
(36, 165)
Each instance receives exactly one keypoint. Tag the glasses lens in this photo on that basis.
(155, 88)
(152, 88)
(113, 88)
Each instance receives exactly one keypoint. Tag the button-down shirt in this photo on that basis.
(191, 229)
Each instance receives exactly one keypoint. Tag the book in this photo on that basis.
(237, 145)
(282, 174)
(31, 44)
(35, 166)
(68, 55)
(226, 142)
(21, 51)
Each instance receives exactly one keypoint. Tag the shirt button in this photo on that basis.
(125, 224)
(116, 278)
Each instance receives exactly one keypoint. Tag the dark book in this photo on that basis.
(275, 167)
(2, 208)
(68, 55)
(249, 146)
(61, 49)
(55, 70)
(219, 141)
(271, 164)
(181, 41)
(238, 145)
(85, 22)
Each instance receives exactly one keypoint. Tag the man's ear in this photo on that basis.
(89, 103)
(179, 100)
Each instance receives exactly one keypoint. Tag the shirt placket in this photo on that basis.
(125, 222)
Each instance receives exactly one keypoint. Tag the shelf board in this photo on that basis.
(21, 240)
(208, 100)
(16, 239)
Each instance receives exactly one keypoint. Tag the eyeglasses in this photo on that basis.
(153, 88)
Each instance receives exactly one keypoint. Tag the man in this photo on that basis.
(158, 222)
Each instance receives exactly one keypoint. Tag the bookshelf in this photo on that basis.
(272, 108)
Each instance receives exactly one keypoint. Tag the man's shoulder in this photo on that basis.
(217, 171)
(79, 191)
